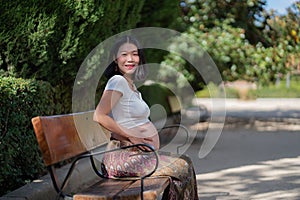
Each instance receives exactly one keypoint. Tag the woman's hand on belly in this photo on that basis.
(149, 141)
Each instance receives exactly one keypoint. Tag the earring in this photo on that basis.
(116, 69)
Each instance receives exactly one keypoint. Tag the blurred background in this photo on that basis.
(254, 43)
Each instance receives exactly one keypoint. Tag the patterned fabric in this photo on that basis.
(128, 163)
(134, 163)
(180, 168)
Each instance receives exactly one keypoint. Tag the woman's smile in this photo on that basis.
(130, 67)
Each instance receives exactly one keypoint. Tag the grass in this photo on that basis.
(273, 91)
(280, 91)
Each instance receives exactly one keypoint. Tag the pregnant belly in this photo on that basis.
(148, 131)
(144, 131)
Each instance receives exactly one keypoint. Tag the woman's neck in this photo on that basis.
(130, 83)
(129, 79)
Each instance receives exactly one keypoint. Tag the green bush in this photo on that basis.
(21, 100)
(49, 40)
(241, 44)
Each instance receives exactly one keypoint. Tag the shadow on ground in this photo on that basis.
(253, 159)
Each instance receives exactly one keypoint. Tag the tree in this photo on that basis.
(163, 14)
(247, 15)
(160, 14)
(48, 40)
(284, 28)
(233, 35)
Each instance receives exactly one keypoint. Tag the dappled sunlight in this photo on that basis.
(280, 194)
(275, 179)
(277, 126)
(261, 125)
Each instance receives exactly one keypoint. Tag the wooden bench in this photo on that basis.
(72, 137)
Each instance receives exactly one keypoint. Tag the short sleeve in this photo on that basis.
(116, 83)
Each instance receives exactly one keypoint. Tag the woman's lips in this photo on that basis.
(130, 66)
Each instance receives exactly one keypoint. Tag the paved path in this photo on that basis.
(260, 108)
(256, 161)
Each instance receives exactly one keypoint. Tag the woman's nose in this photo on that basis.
(129, 57)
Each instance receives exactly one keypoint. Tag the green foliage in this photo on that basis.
(48, 40)
(161, 94)
(284, 33)
(284, 28)
(163, 14)
(21, 100)
(232, 33)
(205, 14)
(160, 14)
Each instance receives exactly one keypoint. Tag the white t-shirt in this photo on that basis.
(131, 110)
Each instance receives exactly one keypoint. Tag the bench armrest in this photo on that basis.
(91, 155)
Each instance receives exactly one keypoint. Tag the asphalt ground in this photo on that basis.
(257, 155)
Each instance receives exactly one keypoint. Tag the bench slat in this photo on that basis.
(106, 189)
(125, 190)
(153, 188)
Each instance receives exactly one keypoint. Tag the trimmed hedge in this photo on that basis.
(20, 100)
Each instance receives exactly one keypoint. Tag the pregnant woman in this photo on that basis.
(122, 111)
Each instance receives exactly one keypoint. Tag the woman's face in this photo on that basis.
(128, 58)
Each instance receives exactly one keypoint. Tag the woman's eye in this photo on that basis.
(126, 54)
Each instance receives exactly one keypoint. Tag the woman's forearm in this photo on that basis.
(111, 125)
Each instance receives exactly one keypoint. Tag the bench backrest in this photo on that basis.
(61, 137)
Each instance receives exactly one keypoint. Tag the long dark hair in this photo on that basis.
(113, 69)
